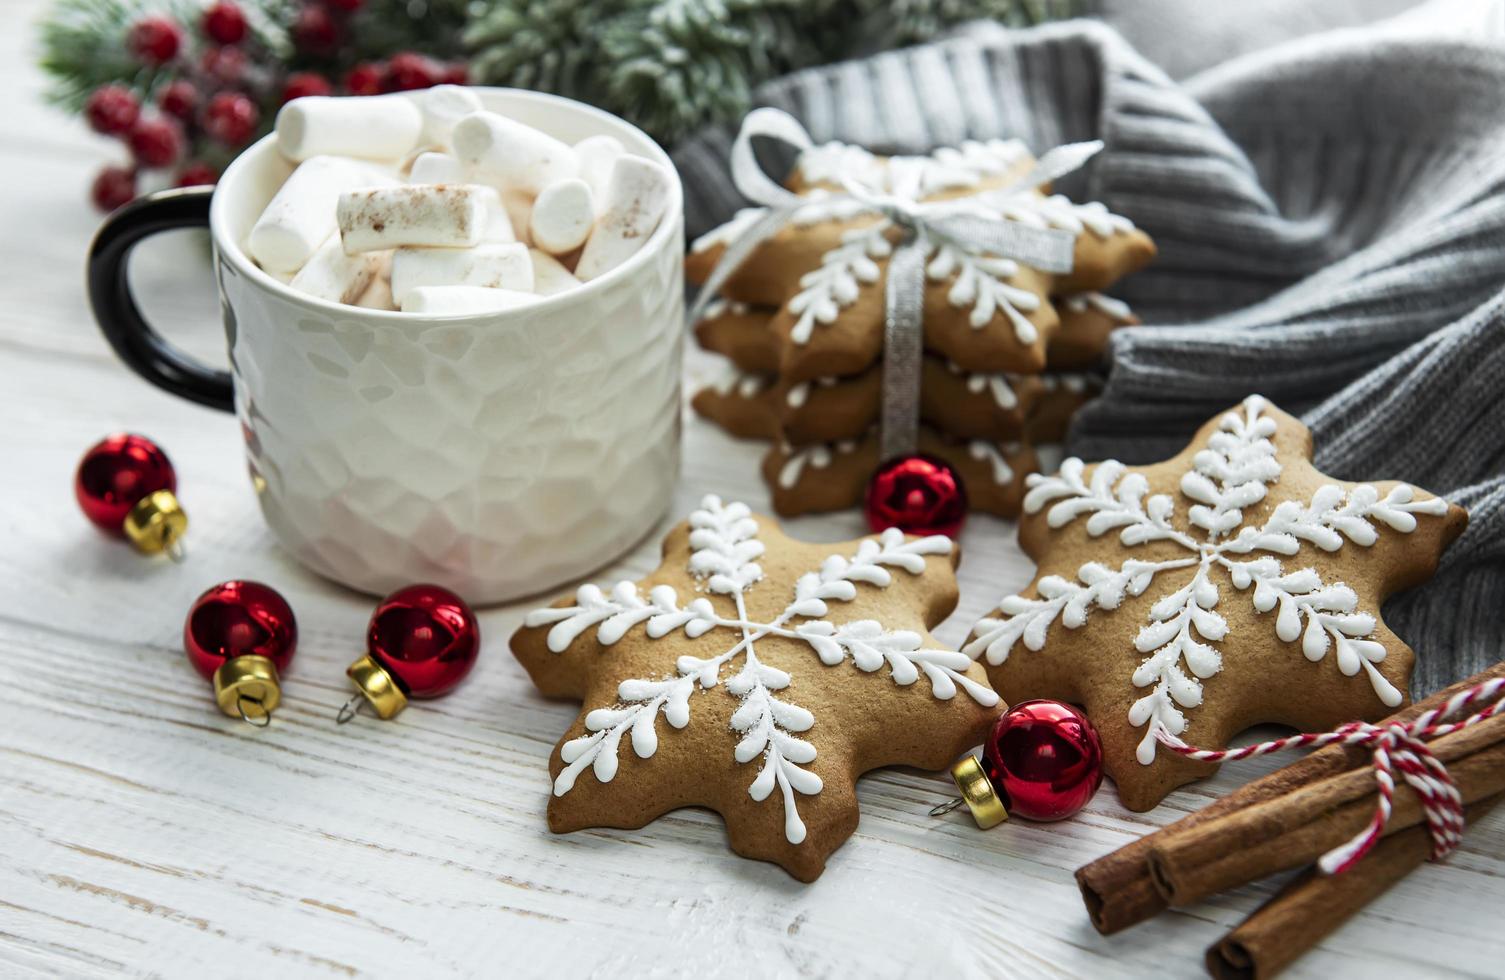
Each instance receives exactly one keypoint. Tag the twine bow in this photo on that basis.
(969, 224)
(1394, 746)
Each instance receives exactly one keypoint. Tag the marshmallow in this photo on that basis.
(636, 198)
(596, 155)
(460, 300)
(498, 221)
(510, 155)
(491, 266)
(371, 127)
(444, 215)
(334, 276)
(519, 210)
(378, 295)
(436, 168)
(442, 107)
(562, 216)
(301, 216)
(549, 274)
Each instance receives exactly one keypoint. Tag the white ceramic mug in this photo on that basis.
(498, 454)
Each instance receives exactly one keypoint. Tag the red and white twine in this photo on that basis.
(1395, 746)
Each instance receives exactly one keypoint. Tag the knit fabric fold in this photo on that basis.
(1331, 226)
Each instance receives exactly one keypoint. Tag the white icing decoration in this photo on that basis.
(980, 285)
(1070, 381)
(843, 271)
(993, 454)
(724, 557)
(1232, 473)
(1115, 309)
(1059, 211)
(817, 456)
(744, 385)
(800, 393)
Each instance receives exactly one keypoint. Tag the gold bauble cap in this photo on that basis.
(377, 686)
(248, 687)
(156, 523)
(972, 781)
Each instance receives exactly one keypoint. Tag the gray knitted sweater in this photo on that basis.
(1332, 235)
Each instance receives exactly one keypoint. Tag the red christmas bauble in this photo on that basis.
(314, 31)
(195, 174)
(112, 110)
(917, 494)
(348, 6)
(237, 619)
(178, 99)
(117, 473)
(408, 70)
(426, 637)
(155, 40)
(156, 142)
(230, 118)
(224, 23)
(114, 187)
(363, 79)
(1044, 759)
(225, 65)
(304, 83)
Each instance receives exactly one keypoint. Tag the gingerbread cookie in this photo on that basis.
(833, 476)
(745, 405)
(782, 671)
(1087, 320)
(1229, 586)
(824, 270)
(739, 333)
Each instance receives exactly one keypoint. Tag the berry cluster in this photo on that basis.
(206, 93)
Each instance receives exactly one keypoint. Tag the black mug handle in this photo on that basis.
(120, 320)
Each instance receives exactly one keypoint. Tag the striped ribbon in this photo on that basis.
(1395, 746)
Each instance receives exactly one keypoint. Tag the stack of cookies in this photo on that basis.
(1009, 350)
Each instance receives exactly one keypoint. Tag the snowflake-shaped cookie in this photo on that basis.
(1230, 586)
(824, 272)
(757, 676)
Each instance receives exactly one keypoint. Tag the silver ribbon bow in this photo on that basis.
(968, 224)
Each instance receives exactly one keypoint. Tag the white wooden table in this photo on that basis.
(141, 831)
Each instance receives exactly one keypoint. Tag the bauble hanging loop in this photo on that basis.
(126, 485)
(421, 642)
(241, 636)
(1042, 761)
(918, 494)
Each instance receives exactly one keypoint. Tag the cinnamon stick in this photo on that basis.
(1118, 889)
(1313, 905)
(1296, 829)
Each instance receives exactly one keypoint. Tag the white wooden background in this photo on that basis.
(141, 831)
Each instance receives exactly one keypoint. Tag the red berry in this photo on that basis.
(225, 65)
(156, 142)
(224, 23)
(231, 118)
(409, 70)
(314, 31)
(301, 83)
(113, 187)
(155, 40)
(348, 6)
(178, 99)
(363, 79)
(112, 110)
(458, 73)
(196, 173)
